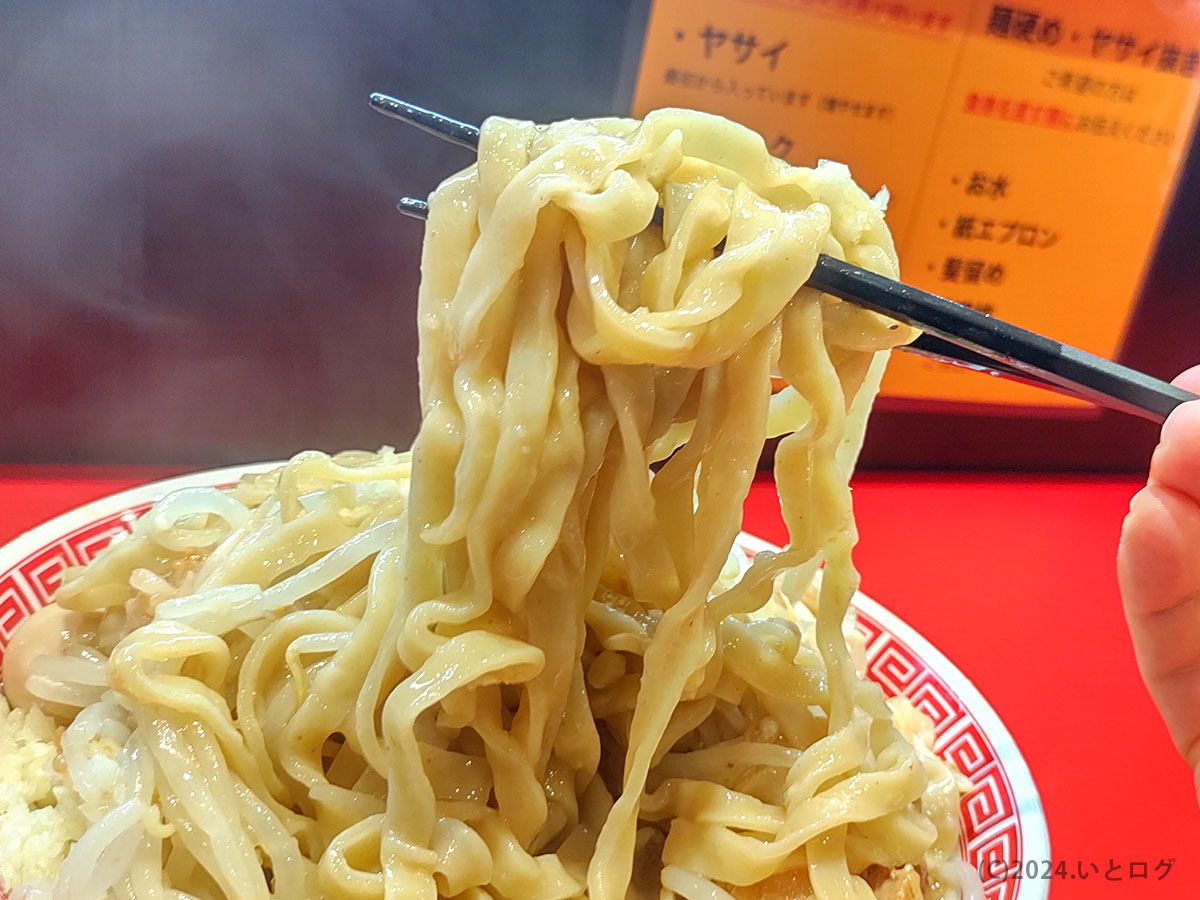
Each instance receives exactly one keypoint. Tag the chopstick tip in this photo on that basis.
(435, 123)
(413, 207)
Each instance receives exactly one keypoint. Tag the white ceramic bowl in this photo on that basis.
(1002, 817)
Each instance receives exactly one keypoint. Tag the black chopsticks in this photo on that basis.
(952, 332)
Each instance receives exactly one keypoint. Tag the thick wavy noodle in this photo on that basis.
(515, 663)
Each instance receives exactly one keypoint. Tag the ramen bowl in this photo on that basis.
(1001, 816)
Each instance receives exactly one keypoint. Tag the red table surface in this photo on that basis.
(1013, 579)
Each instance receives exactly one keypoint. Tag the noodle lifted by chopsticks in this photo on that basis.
(515, 665)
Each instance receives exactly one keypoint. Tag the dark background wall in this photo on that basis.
(200, 258)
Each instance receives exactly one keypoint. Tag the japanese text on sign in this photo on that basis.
(991, 124)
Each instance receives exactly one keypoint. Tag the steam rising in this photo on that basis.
(200, 260)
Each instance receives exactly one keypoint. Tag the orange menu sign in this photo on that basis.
(1030, 151)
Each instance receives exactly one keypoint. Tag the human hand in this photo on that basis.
(1158, 567)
